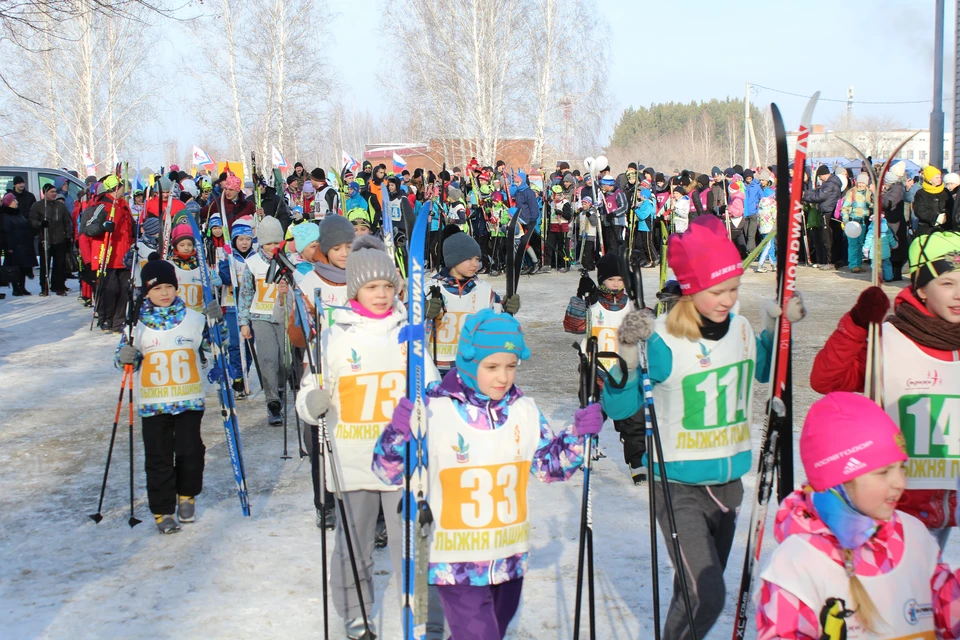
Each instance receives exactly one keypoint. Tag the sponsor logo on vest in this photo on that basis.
(354, 361)
(704, 357)
(151, 346)
(913, 612)
(462, 449)
(852, 466)
(183, 341)
(848, 452)
(932, 380)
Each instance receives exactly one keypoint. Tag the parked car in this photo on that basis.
(37, 177)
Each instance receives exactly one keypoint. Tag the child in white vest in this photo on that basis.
(364, 376)
(484, 432)
(187, 267)
(166, 351)
(257, 317)
(849, 564)
(702, 361)
(461, 294)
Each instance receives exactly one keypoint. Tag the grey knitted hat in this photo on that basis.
(269, 230)
(368, 261)
(458, 248)
(334, 230)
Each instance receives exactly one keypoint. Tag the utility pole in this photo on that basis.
(849, 107)
(936, 114)
(746, 130)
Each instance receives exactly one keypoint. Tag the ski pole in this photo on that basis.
(588, 386)
(97, 517)
(132, 521)
(313, 362)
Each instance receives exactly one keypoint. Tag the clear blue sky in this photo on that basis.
(709, 50)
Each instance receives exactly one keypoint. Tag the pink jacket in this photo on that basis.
(781, 615)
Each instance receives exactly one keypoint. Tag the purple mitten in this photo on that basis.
(588, 421)
(401, 418)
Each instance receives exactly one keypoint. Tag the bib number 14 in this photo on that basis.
(931, 425)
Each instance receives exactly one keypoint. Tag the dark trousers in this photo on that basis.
(611, 239)
(314, 447)
(480, 613)
(838, 255)
(173, 458)
(555, 254)
(633, 436)
(588, 260)
(749, 227)
(642, 244)
(58, 275)
(706, 520)
(826, 241)
(112, 305)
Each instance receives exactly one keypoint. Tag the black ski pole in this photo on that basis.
(127, 373)
(588, 394)
(132, 521)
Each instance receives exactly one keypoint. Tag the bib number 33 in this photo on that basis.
(488, 497)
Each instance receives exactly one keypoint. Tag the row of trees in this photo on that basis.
(473, 73)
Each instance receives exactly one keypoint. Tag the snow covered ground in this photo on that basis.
(62, 576)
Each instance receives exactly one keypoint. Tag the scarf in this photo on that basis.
(844, 520)
(929, 173)
(711, 330)
(330, 273)
(924, 328)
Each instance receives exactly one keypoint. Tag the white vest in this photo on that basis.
(170, 371)
(320, 208)
(396, 214)
(266, 294)
(450, 324)
(191, 288)
(586, 228)
(370, 374)
(331, 295)
(922, 395)
(478, 483)
(705, 404)
(143, 255)
(603, 323)
(227, 298)
(902, 596)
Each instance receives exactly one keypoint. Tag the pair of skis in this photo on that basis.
(516, 252)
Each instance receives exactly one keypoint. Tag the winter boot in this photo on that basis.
(274, 419)
(639, 476)
(329, 517)
(238, 390)
(186, 508)
(166, 523)
(356, 631)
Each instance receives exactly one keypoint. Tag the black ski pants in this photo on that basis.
(555, 253)
(633, 436)
(173, 457)
(112, 305)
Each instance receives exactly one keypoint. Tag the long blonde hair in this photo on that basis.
(683, 320)
(862, 603)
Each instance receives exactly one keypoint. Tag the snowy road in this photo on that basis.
(62, 576)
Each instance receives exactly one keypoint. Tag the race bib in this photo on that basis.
(448, 333)
(367, 402)
(192, 295)
(169, 375)
(489, 497)
(931, 427)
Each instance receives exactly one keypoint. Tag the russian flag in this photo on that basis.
(278, 160)
(398, 163)
(350, 163)
(201, 158)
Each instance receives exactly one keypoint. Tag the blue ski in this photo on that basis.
(416, 511)
(228, 408)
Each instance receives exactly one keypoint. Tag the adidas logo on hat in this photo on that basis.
(852, 466)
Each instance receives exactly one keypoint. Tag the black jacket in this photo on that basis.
(825, 196)
(60, 230)
(928, 207)
(17, 239)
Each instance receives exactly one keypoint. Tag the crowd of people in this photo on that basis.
(873, 493)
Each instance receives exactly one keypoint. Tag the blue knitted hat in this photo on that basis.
(305, 233)
(485, 333)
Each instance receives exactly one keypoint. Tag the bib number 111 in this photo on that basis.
(717, 398)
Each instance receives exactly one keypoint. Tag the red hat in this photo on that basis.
(846, 435)
(703, 256)
(180, 232)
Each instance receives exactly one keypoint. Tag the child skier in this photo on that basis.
(767, 220)
(920, 345)
(242, 246)
(257, 318)
(481, 426)
(857, 207)
(328, 280)
(589, 225)
(462, 293)
(888, 242)
(598, 311)
(364, 366)
(166, 350)
(850, 565)
(187, 266)
(700, 354)
(561, 212)
(644, 214)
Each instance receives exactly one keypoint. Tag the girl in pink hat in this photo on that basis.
(850, 565)
(702, 361)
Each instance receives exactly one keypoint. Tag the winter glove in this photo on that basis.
(631, 356)
(586, 286)
(796, 311)
(401, 418)
(127, 355)
(108, 226)
(588, 421)
(213, 311)
(44, 224)
(434, 308)
(512, 304)
(636, 327)
(871, 306)
(317, 402)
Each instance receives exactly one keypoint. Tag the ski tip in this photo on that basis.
(96, 517)
(808, 110)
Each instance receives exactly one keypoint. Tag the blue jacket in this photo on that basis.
(526, 201)
(753, 193)
(620, 404)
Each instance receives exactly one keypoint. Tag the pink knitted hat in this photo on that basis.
(703, 256)
(846, 435)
